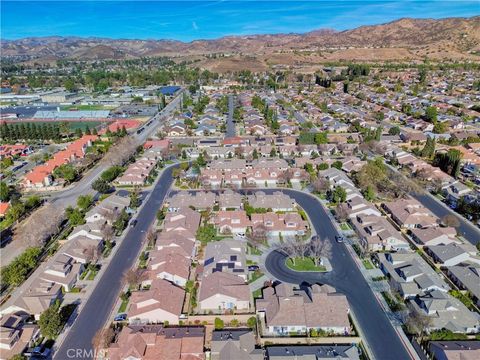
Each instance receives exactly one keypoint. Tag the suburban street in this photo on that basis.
(230, 123)
(346, 278)
(69, 196)
(98, 307)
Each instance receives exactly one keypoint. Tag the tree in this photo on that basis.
(321, 138)
(206, 233)
(50, 322)
(373, 173)
(134, 198)
(101, 186)
(431, 114)
(394, 130)
(84, 202)
(75, 216)
(219, 324)
(320, 248)
(337, 164)
(320, 185)
(134, 277)
(429, 149)
(4, 191)
(369, 193)
(451, 221)
(69, 84)
(252, 322)
(338, 195)
(66, 172)
(103, 338)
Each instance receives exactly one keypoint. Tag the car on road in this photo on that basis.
(339, 238)
(120, 317)
(134, 223)
(253, 267)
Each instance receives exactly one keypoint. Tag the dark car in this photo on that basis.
(253, 267)
(133, 223)
(120, 317)
(339, 238)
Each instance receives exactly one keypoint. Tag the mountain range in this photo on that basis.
(403, 39)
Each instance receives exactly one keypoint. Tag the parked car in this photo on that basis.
(253, 267)
(120, 317)
(339, 238)
(133, 223)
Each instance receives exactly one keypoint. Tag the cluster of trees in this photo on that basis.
(429, 149)
(67, 172)
(370, 134)
(19, 208)
(16, 272)
(449, 162)
(30, 131)
(306, 138)
(269, 115)
(356, 70)
(431, 115)
(316, 249)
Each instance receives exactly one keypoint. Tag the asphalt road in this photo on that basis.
(69, 196)
(99, 305)
(347, 279)
(230, 123)
(466, 228)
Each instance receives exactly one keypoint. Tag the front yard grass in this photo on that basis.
(368, 265)
(344, 227)
(257, 293)
(257, 274)
(305, 264)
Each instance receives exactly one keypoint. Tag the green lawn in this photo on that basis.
(344, 226)
(255, 275)
(123, 306)
(257, 293)
(254, 251)
(368, 265)
(92, 274)
(306, 264)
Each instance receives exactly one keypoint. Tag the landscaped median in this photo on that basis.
(304, 264)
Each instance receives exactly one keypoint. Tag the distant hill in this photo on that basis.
(403, 39)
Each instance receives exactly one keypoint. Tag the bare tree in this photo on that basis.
(341, 212)
(108, 232)
(418, 323)
(41, 225)
(320, 248)
(320, 185)
(109, 215)
(258, 235)
(451, 220)
(91, 253)
(151, 237)
(134, 277)
(291, 248)
(103, 338)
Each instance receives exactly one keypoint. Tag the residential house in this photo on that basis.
(226, 256)
(409, 274)
(376, 233)
(447, 255)
(155, 342)
(223, 291)
(170, 263)
(197, 200)
(466, 277)
(16, 335)
(233, 222)
(410, 213)
(238, 344)
(286, 310)
(62, 270)
(277, 201)
(455, 350)
(230, 200)
(286, 225)
(317, 352)
(446, 312)
(162, 302)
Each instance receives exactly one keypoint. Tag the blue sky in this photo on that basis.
(190, 20)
